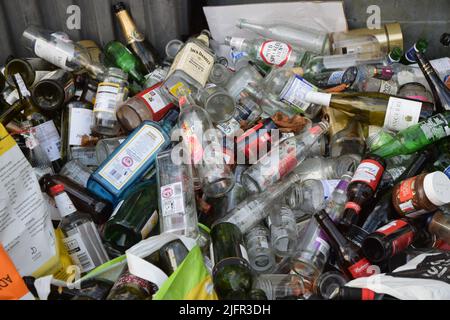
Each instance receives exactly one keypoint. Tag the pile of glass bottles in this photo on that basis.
(299, 164)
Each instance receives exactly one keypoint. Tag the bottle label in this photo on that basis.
(435, 128)
(322, 246)
(12, 97)
(157, 76)
(401, 114)
(392, 227)
(78, 252)
(64, 204)
(275, 53)
(335, 78)
(447, 171)
(229, 128)
(107, 97)
(76, 173)
(194, 61)
(21, 86)
(295, 91)
(400, 243)
(154, 101)
(80, 121)
(369, 172)
(388, 87)
(86, 155)
(56, 53)
(132, 157)
(360, 269)
(127, 279)
(49, 139)
(328, 187)
(410, 55)
(150, 225)
(172, 200)
(405, 195)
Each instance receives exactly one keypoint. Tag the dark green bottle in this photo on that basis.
(232, 275)
(118, 54)
(134, 217)
(410, 56)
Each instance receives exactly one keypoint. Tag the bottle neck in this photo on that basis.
(336, 238)
(129, 28)
(245, 24)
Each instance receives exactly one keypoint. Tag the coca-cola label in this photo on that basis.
(275, 53)
(369, 172)
(360, 269)
(402, 242)
(392, 227)
(405, 195)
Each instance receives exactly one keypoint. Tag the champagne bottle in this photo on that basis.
(441, 93)
(394, 113)
(135, 40)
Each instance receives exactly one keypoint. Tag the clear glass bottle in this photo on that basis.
(415, 90)
(106, 147)
(283, 233)
(58, 49)
(326, 168)
(82, 239)
(241, 79)
(350, 140)
(260, 253)
(77, 172)
(281, 286)
(177, 204)
(217, 102)
(281, 160)
(220, 75)
(110, 93)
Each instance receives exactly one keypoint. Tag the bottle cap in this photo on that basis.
(119, 7)
(319, 98)
(437, 188)
(56, 189)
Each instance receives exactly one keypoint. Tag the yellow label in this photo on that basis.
(175, 88)
(6, 141)
(64, 258)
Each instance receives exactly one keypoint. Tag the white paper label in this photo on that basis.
(150, 225)
(26, 230)
(295, 91)
(322, 246)
(80, 121)
(49, 139)
(57, 54)
(64, 204)
(401, 114)
(122, 168)
(107, 98)
(275, 53)
(12, 97)
(76, 173)
(87, 156)
(172, 200)
(388, 87)
(244, 253)
(154, 100)
(22, 87)
(78, 252)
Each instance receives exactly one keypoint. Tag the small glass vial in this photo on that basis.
(110, 93)
(177, 205)
(260, 254)
(283, 236)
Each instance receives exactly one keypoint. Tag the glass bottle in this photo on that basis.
(333, 78)
(98, 209)
(350, 140)
(131, 287)
(283, 233)
(313, 250)
(132, 160)
(81, 236)
(177, 204)
(53, 91)
(439, 225)
(110, 93)
(280, 286)
(232, 273)
(417, 137)
(362, 188)
(217, 102)
(415, 90)
(349, 257)
(58, 49)
(410, 55)
(77, 172)
(156, 76)
(151, 104)
(441, 93)
(220, 75)
(125, 60)
(241, 79)
(328, 282)
(326, 168)
(30, 69)
(376, 108)
(135, 40)
(192, 65)
(393, 57)
(106, 147)
(442, 163)
(257, 207)
(260, 253)
(203, 152)
(377, 85)
(134, 218)
(281, 160)
(311, 196)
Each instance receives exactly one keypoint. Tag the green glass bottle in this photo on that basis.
(134, 218)
(417, 137)
(117, 53)
(394, 56)
(232, 275)
(410, 56)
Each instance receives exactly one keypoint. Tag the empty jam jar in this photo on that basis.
(421, 194)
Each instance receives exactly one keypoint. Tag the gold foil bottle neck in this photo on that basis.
(389, 36)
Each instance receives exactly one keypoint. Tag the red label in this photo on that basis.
(392, 227)
(155, 103)
(354, 206)
(369, 172)
(288, 164)
(359, 269)
(367, 295)
(275, 52)
(406, 190)
(402, 242)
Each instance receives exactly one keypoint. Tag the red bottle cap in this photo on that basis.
(56, 189)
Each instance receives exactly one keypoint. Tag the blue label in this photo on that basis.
(411, 54)
(447, 171)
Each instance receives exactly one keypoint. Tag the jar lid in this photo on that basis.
(437, 188)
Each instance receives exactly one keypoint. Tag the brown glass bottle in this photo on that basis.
(362, 189)
(439, 225)
(99, 210)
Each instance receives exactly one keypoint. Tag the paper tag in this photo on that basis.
(388, 87)
(295, 91)
(12, 97)
(401, 114)
(78, 252)
(122, 168)
(172, 200)
(80, 121)
(49, 139)
(275, 53)
(64, 204)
